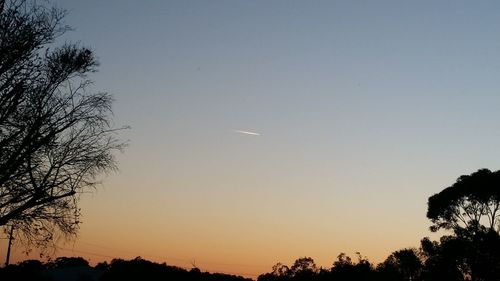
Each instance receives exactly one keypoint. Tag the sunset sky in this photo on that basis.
(264, 131)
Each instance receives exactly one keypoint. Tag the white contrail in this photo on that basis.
(247, 133)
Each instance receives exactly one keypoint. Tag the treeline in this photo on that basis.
(78, 269)
(469, 209)
(473, 258)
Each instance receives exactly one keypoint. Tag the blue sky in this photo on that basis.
(365, 109)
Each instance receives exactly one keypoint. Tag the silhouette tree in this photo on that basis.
(444, 260)
(345, 269)
(303, 265)
(404, 265)
(64, 262)
(303, 269)
(279, 272)
(56, 137)
(471, 204)
(471, 208)
(140, 269)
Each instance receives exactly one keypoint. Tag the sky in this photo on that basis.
(362, 109)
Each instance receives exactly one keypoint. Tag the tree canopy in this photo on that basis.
(471, 203)
(469, 207)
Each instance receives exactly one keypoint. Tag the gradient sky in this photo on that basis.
(364, 109)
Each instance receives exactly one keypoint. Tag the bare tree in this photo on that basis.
(56, 138)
